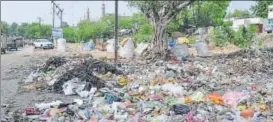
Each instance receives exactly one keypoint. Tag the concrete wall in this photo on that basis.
(239, 22)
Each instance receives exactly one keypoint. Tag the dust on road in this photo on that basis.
(15, 67)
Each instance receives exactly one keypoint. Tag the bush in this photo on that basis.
(222, 35)
(244, 37)
(142, 38)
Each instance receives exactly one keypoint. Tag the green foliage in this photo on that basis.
(35, 30)
(5, 28)
(22, 29)
(222, 34)
(204, 14)
(239, 14)
(142, 38)
(261, 8)
(13, 28)
(244, 37)
(69, 34)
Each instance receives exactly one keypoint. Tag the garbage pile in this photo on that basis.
(194, 90)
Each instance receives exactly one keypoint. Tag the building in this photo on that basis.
(270, 15)
(260, 23)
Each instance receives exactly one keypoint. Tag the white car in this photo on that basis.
(43, 44)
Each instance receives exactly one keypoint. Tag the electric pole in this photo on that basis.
(116, 30)
(59, 13)
(87, 14)
(53, 14)
(39, 19)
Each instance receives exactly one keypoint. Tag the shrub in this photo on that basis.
(142, 38)
(244, 38)
(221, 36)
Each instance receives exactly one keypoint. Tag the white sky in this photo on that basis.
(29, 11)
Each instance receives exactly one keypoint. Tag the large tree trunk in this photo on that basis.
(159, 45)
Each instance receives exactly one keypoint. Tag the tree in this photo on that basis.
(69, 34)
(35, 30)
(65, 24)
(5, 28)
(239, 14)
(261, 8)
(13, 29)
(203, 14)
(22, 29)
(159, 14)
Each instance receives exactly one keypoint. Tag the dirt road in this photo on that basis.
(15, 67)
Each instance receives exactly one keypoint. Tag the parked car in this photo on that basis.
(268, 29)
(43, 44)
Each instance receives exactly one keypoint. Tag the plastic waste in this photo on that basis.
(31, 77)
(216, 98)
(183, 40)
(140, 48)
(155, 97)
(248, 113)
(78, 101)
(180, 50)
(122, 81)
(72, 86)
(202, 49)
(110, 45)
(190, 117)
(42, 106)
(197, 96)
(169, 74)
(128, 50)
(61, 46)
(174, 89)
(232, 98)
(180, 109)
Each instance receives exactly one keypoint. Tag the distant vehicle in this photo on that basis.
(12, 44)
(43, 44)
(268, 29)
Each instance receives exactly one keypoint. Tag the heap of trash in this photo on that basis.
(229, 88)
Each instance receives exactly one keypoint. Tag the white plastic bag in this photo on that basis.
(202, 49)
(140, 48)
(31, 77)
(42, 106)
(174, 89)
(110, 46)
(180, 50)
(128, 50)
(72, 86)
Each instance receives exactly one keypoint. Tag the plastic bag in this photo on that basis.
(128, 50)
(216, 98)
(180, 50)
(202, 49)
(183, 40)
(69, 86)
(31, 77)
(248, 113)
(174, 89)
(180, 109)
(42, 106)
(232, 98)
(197, 96)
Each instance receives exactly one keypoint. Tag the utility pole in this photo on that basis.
(39, 19)
(53, 14)
(88, 17)
(59, 13)
(116, 30)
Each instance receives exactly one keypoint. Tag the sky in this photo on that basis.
(74, 11)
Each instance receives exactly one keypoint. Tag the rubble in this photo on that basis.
(234, 87)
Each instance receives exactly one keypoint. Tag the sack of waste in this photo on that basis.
(202, 49)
